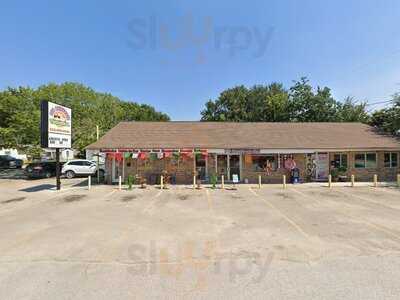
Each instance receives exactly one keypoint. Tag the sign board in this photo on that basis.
(55, 125)
(241, 151)
(235, 178)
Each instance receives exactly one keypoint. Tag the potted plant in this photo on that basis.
(130, 181)
(213, 180)
(342, 174)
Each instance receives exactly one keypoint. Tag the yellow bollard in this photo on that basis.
(259, 181)
(284, 181)
(222, 182)
(398, 180)
(375, 180)
(353, 181)
(194, 181)
(330, 181)
(162, 182)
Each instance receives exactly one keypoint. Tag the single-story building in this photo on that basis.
(244, 151)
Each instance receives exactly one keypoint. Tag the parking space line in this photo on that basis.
(367, 200)
(36, 203)
(391, 192)
(290, 221)
(366, 222)
(109, 194)
(150, 207)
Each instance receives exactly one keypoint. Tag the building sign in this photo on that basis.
(235, 178)
(56, 125)
(242, 151)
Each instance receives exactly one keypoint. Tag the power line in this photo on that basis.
(380, 102)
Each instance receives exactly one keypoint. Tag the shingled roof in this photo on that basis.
(227, 135)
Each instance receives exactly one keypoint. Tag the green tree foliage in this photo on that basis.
(240, 104)
(388, 119)
(273, 103)
(20, 113)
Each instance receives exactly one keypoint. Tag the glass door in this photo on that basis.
(234, 166)
(115, 170)
(201, 167)
(222, 166)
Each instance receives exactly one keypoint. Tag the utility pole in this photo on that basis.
(98, 156)
(58, 173)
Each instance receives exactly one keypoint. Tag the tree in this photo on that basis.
(308, 106)
(20, 113)
(240, 104)
(351, 111)
(388, 119)
(273, 103)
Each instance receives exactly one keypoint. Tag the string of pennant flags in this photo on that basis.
(154, 155)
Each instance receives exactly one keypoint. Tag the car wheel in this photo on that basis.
(48, 175)
(70, 174)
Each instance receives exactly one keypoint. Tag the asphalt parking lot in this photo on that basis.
(303, 242)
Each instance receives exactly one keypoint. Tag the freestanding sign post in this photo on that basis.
(55, 130)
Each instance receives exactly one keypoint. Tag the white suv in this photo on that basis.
(76, 167)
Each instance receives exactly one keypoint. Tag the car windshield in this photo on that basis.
(6, 157)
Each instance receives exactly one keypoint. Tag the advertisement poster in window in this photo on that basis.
(322, 166)
(56, 125)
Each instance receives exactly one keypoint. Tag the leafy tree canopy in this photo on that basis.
(274, 103)
(20, 113)
(388, 119)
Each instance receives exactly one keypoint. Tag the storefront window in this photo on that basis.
(391, 160)
(261, 162)
(365, 160)
(371, 161)
(340, 160)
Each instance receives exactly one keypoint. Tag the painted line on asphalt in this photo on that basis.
(149, 208)
(391, 192)
(366, 222)
(36, 203)
(109, 194)
(290, 221)
(367, 200)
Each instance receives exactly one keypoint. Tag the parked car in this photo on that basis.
(44, 169)
(80, 167)
(9, 162)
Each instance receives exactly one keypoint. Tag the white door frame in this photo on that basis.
(114, 177)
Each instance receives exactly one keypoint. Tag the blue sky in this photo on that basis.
(143, 50)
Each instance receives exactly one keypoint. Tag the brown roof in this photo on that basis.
(217, 135)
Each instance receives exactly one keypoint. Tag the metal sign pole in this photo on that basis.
(58, 180)
(98, 156)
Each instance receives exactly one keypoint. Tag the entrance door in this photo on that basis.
(115, 170)
(228, 165)
(322, 166)
(234, 166)
(222, 165)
